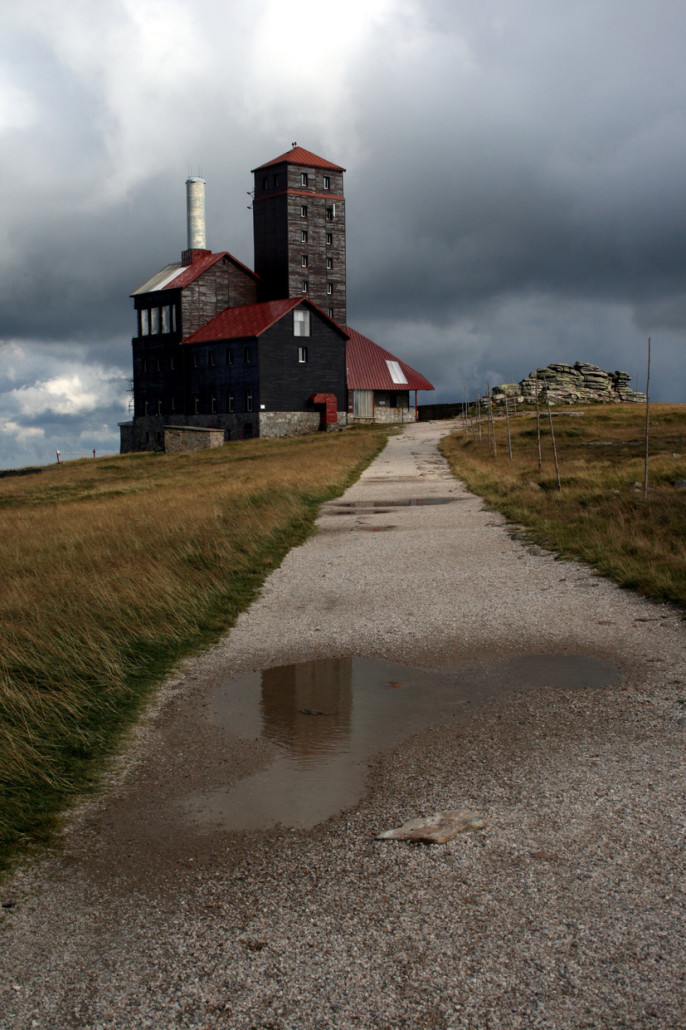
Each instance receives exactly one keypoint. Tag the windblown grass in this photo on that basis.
(600, 514)
(113, 569)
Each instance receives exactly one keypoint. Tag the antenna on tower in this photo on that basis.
(294, 143)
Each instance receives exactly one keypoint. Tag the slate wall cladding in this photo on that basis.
(286, 383)
(279, 224)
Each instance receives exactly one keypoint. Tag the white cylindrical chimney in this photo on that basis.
(195, 213)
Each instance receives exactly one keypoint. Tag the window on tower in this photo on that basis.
(329, 287)
(306, 286)
(329, 239)
(331, 212)
(327, 182)
(303, 260)
(303, 179)
(302, 355)
(303, 210)
(329, 262)
(144, 322)
(303, 237)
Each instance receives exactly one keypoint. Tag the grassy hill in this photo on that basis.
(599, 514)
(111, 570)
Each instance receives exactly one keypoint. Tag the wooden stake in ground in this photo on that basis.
(645, 477)
(538, 425)
(478, 415)
(507, 420)
(552, 434)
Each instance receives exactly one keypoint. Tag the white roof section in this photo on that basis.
(160, 279)
(397, 374)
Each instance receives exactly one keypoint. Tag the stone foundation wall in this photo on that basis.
(386, 415)
(288, 423)
(179, 439)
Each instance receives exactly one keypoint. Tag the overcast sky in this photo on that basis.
(515, 186)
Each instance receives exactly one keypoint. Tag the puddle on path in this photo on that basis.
(381, 507)
(327, 718)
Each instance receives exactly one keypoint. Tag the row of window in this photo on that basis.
(306, 286)
(330, 214)
(305, 261)
(306, 179)
(231, 404)
(152, 321)
(329, 237)
(229, 357)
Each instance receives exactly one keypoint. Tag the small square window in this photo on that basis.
(303, 260)
(172, 363)
(303, 236)
(229, 355)
(247, 355)
(304, 179)
(327, 182)
(329, 239)
(276, 181)
(306, 286)
(213, 403)
(329, 312)
(159, 407)
(145, 364)
(230, 402)
(248, 400)
(196, 404)
(265, 183)
(303, 210)
(329, 262)
(331, 213)
(302, 355)
(147, 407)
(195, 360)
(211, 359)
(329, 287)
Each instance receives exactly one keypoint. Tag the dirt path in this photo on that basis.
(566, 911)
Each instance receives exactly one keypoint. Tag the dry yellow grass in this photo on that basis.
(112, 569)
(600, 514)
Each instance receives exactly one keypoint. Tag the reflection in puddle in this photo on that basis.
(327, 718)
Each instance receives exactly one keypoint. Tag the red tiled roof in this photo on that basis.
(367, 365)
(300, 156)
(175, 276)
(250, 320)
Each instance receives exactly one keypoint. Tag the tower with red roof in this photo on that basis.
(299, 230)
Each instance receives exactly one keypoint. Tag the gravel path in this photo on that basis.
(567, 911)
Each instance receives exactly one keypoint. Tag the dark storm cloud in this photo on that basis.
(514, 187)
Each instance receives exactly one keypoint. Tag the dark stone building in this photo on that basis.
(219, 346)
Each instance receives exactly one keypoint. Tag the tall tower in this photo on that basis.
(299, 230)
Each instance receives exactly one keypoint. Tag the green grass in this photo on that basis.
(600, 514)
(112, 570)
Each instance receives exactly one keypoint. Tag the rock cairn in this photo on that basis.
(570, 384)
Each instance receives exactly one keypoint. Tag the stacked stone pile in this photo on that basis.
(570, 384)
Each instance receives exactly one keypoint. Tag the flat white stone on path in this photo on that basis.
(436, 829)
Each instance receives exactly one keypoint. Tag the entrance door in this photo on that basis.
(363, 404)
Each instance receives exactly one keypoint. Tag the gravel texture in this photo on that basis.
(566, 911)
